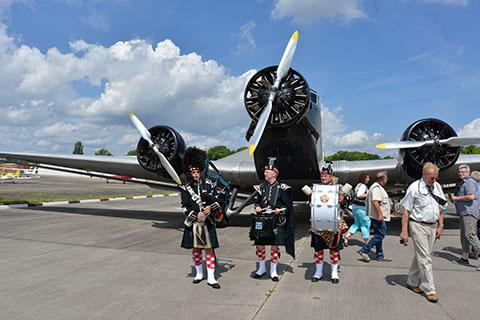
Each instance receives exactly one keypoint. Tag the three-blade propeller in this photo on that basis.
(282, 70)
(148, 137)
(451, 142)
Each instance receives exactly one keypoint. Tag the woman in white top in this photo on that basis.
(362, 221)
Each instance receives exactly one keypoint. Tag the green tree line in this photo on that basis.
(219, 152)
(471, 149)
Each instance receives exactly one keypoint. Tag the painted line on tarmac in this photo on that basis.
(57, 203)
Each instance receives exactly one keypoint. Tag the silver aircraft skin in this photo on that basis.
(291, 130)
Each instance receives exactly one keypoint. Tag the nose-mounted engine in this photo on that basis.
(169, 142)
(295, 115)
(291, 100)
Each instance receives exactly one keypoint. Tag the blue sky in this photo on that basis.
(72, 70)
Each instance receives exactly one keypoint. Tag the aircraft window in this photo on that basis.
(313, 97)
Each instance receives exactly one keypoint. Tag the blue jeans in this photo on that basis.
(362, 222)
(379, 231)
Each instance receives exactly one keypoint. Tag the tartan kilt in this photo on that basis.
(279, 239)
(187, 240)
(319, 243)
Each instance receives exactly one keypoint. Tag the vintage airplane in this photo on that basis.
(8, 177)
(20, 174)
(286, 124)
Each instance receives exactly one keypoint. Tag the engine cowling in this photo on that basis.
(440, 154)
(169, 142)
(290, 104)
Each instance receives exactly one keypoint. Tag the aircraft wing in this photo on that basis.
(89, 165)
(348, 171)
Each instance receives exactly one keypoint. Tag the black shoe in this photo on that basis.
(473, 255)
(258, 276)
(214, 285)
(197, 281)
(275, 279)
(462, 261)
(335, 280)
(315, 279)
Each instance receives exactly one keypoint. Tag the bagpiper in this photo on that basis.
(273, 222)
(200, 206)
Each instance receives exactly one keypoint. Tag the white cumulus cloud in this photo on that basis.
(471, 129)
(460, 3)
(355, 138)
(40, 99)
(337, 136)
(246, 38)
(306, 12)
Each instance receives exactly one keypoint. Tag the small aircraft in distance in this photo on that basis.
(286, 124)
(19, 174)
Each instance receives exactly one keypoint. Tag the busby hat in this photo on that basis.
(194, 158)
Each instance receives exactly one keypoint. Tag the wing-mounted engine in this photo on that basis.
(292, 130)
(433, 131)
(169, 142)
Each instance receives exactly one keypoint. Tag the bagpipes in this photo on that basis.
(192, 216)
(264, 225)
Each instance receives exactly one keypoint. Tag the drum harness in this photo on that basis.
(268, 210)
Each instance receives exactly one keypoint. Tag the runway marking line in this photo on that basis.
(54, 203)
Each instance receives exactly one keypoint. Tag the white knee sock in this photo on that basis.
(261, 267)
(273, 269)
(318, 270)
(334, 270)
(199, 270)
(211, 276)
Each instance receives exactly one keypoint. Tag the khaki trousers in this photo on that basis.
(421, 271)
(468, 234)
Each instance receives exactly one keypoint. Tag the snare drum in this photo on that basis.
(325, 210)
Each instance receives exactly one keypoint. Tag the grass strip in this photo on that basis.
(36, 199)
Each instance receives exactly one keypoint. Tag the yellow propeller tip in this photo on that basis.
(380, 146)
(295, 36)
(178, 181)
(252, 149)
(131, 114)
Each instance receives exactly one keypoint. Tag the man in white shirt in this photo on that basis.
(423, 215)
(378, 208)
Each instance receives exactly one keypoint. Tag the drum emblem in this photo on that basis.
(324, 198)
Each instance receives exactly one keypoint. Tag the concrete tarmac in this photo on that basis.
(121, 260)
(71, 186)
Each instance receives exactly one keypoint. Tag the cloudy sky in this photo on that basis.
(73, 70)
